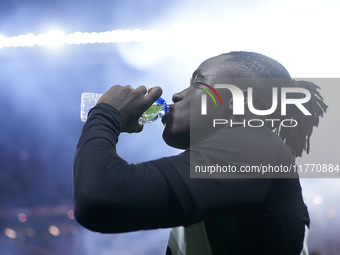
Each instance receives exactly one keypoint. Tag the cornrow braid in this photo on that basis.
(298, 138)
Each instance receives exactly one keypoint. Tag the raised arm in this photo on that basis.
(113, 196)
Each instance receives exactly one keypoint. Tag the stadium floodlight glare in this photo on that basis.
(56, 38)
(52, 39)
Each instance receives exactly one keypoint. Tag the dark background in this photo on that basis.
(40, 102)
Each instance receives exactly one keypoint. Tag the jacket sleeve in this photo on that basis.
(113, 196)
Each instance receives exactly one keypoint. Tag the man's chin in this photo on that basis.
(178, 141)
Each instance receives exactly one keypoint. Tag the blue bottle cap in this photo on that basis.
(161, 101)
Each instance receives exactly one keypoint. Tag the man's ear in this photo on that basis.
(245, 95)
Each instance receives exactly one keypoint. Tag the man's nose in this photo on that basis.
(177, 97)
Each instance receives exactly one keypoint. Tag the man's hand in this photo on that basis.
(131, 103)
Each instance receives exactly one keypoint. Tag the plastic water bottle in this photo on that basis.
(88, 101)
(155, 112)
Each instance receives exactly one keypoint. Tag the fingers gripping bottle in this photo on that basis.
(155, 112)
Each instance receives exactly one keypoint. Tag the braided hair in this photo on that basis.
(256, 65)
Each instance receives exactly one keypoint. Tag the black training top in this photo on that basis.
(239, 215)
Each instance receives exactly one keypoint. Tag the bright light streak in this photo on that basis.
(18, 41)
(40, 41)
(57, 38)
(30, 40)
